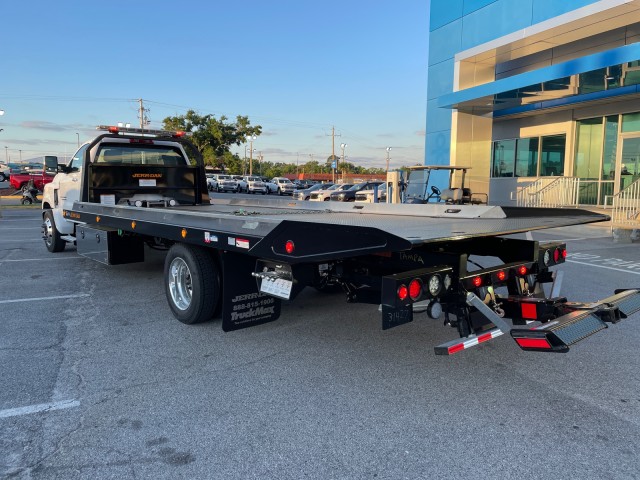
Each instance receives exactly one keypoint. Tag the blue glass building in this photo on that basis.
(531, 90)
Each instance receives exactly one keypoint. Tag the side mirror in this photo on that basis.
(51, 163)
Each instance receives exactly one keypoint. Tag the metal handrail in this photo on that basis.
(626, 207)
(561, 192)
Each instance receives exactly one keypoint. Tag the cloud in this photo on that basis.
(420, 133)
(53, 127)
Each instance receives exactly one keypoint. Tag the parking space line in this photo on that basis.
(75, 257)
(600, 266)
(42, 407)
(39, 299)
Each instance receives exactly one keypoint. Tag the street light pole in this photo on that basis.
(6, 153)
(343, 146)
(78, 135)
(251, 139)
(388, 150)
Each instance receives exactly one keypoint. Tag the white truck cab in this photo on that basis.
(65, 189)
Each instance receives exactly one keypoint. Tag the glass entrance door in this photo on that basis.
(628, 164)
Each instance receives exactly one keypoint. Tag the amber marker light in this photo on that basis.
(133, 224)
(183, 233)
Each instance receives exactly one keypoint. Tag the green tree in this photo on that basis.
(211, 136)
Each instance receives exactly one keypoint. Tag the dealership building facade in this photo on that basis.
(536, 95)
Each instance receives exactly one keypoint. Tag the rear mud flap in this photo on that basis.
(242, 304)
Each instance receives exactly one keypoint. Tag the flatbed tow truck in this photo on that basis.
(238, 258)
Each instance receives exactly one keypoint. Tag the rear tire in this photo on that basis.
(51, 235)
(26, 201)
(192, 283)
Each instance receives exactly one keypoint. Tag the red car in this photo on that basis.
(40, 179)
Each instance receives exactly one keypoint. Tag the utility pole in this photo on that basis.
(333, 152)
(144, 120)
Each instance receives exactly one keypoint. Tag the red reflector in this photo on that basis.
(556, 255)
(522, 270)
(415, 289)
(501, 275)
(484, 337)
(289, 247)
(456, 348)
(403, 292)
(113, 130)
(179, 134)
(477, 281)
(533, 343)
(529, 310)
(564, 253)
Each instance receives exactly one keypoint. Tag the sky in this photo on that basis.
(297, 68)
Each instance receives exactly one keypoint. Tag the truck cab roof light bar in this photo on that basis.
(140, 131)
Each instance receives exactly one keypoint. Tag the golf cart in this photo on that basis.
(414, 186)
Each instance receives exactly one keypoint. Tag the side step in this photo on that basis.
(558, 335)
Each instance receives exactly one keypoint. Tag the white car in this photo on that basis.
(254, 185)
(226, 183)
(367, 195)
(212, 183)
(5, 171)
(285, 186)
(271, 187)
(325, 195)
(242, 183)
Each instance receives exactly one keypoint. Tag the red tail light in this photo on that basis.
(415, 289)
(533, 343)
(477, 281)
(113, 130)
(289, 247)
(564, 253)
(403, 292)
(179, 134)
(501, 275)
(522, 270)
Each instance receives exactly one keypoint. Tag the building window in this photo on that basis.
(610, 147)
(631, 122)
(529, 157)
(504, 155)
(588, 148)
(552, 155)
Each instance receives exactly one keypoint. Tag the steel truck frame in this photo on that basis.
(238, 258)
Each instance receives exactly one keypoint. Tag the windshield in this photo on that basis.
(417, 183)
(254, 179)
(122, 153)
(224, 177)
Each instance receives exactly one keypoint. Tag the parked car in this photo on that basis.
(324, 195)
(254, 185)
(212, 183)
(305, 194)
(303, 184)
(4, 172)
(242, 184)
(350, 194)
(19, 181)
(226, 183)
(271, 186)
(285, 186)
(367, 195)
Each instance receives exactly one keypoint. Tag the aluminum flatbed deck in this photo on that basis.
(396, 227)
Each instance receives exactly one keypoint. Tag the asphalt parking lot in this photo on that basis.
(98, 380)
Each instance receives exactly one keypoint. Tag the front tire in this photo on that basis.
(192, 283)
(51, 235)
